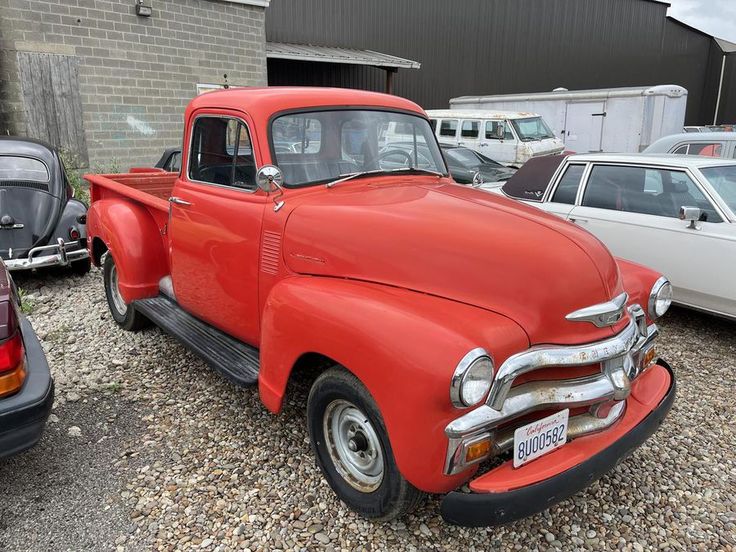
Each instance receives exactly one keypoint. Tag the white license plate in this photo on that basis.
(538, 438)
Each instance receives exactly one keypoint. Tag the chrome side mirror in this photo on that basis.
(269, 178)
(477, 180)
(691, 214)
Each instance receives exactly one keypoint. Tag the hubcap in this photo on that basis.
(117, 299)
(353, 445)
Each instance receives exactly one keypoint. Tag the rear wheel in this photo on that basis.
(125, 315)
(352, 448)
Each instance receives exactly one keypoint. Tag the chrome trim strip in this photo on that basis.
(658, 285)
(540, 357)
(602, 314)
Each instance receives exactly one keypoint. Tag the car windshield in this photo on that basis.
(22, 168)
(532, 128)
(321, 146)
(723, 181)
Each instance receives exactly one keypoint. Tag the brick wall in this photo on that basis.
(135, 74)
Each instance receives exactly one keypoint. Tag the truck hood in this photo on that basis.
(459, 243)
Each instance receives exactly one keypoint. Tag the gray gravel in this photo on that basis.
(168, 455)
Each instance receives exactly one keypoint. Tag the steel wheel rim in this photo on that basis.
(117, 298)
(353, 445)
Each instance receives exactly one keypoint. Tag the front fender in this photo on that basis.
(133, 238)
(638, 282)
(403, 346)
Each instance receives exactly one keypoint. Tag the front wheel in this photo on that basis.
(352, 448)
(125, 315)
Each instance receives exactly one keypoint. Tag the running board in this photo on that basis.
(234, 359)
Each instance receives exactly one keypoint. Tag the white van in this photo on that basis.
(509, 137)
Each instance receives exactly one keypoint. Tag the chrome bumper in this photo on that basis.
(48, 255)
(621, 359)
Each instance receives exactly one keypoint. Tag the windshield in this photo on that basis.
(723, 181)
(320, 146)
(22, 168)
(532, 128)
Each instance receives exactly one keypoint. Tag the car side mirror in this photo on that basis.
(500, 131)
(269, 178)
(691, 214)
(477, 180)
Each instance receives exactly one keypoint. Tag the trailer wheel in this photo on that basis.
(352, 448)
(125, 315)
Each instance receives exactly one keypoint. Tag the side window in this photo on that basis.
(222, 153)
(470, 129)
(648, 191)
(448, 128)
(681, 150)
(492, 131)
(708, 150)
(567, 189)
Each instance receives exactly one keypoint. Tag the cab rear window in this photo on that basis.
(22, 168)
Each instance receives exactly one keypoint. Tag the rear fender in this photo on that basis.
(133, 238)
(403, 346)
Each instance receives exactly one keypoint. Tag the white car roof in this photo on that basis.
(668, 159)
(666, 142)
(479, 114)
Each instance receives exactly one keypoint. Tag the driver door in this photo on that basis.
(215, 217)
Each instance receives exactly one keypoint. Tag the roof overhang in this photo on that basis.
(332, 54)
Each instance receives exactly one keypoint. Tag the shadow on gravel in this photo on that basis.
(64, 494)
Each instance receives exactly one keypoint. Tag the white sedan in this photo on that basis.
(674, 213)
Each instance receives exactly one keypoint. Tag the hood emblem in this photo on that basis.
(602, 314)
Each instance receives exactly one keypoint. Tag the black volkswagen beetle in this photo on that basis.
(41, 224)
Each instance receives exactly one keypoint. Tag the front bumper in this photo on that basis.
(23, 415)
(59, 254)
(504, 495)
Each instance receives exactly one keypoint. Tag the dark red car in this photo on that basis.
(26, 387)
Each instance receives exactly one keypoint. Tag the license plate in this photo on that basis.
(538, 438)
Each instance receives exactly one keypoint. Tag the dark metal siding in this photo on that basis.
(727, 111)
(469, 47)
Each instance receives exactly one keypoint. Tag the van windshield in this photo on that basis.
(532, 128)
(321, 146)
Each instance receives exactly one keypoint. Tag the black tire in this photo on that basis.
(127, 318)
(80, 268)
(394, 496)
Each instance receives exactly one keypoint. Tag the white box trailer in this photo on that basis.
(624, 120)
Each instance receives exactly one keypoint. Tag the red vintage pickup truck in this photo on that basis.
(458, 337)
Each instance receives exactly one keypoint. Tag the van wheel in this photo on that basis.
(352, 448)
(125, 315)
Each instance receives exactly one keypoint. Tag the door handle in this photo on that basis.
(484, 145)
(578, 220)
(179, 201)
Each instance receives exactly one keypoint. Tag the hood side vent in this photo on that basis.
(270, 252)
(43, 186)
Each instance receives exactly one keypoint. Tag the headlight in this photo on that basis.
(472, 379)
(660, 298)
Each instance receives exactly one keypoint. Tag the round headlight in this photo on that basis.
(472, 379)
(660, 298)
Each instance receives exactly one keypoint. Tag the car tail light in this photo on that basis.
(74, 233)
(12, 352)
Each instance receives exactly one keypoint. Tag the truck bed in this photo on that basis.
(151, 189)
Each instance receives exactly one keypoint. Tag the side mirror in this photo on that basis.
(477, 180)
(691, 214)
(269, 177)
(500, 131)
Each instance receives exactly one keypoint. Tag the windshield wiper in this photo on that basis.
(351, 176)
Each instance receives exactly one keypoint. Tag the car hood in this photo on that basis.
(458, 243)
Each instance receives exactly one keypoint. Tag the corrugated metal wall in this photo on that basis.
(493, 46)
(727, 111)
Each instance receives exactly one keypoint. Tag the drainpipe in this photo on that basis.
(720, 90)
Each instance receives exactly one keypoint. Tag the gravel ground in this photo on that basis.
(149, 449)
